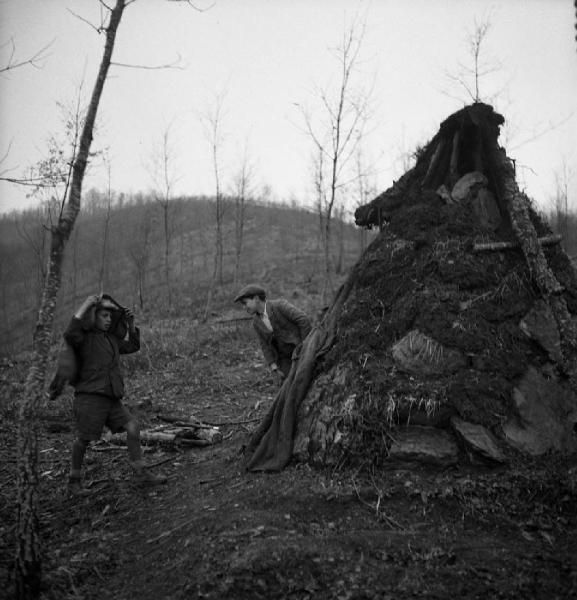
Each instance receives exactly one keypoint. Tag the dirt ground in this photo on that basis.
(218, 532)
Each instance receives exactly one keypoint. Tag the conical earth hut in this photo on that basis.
(455, 336)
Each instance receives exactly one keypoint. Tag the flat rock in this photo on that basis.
(539, 324)
(464, 185)
(419, 354)
(547, 416)
(424, 444)
(445, 194)
(486, 209)
(478, 439)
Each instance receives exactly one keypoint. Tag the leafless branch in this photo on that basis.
(98, 29)
(33, 61)
(6, 154)
(36, 182)
(193, 5)
(172, 65)
(336, 133)
(551, 126)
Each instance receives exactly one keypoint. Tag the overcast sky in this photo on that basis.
(267, 57)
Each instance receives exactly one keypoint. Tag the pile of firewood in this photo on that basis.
(175, 433)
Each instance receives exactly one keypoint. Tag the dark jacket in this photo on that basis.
(99, 353)
(290, 326)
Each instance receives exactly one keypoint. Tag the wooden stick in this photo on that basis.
(180, 423)
(224, 423)
(548, 240)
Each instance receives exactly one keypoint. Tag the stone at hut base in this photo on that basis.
(478, 439)
(424, 445)
(539, 324)
(547, 416)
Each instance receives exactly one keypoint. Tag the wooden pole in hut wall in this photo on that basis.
(516, 204)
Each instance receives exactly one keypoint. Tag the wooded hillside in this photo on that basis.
(119, 249)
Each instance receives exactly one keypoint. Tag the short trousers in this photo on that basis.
(92, 412)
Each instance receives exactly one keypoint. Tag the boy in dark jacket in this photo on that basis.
(281, 327)
(99, 383)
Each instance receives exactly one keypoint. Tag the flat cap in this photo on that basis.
(250, 290)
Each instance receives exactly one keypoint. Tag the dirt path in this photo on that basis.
(217, 532)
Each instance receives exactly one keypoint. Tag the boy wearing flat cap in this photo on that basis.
(280, 326)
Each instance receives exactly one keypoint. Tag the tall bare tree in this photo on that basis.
(165, 177)
(562, 178)
(138, 250)
(366, 190)
(242, 188)
(27, 570)
(336, 132)
(212, 121)
(103, 274)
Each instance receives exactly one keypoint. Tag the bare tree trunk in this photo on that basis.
(103, 263)
(219, 239)
(27, 571)
(166, 215)
(242, 187)
(341, 242)
(562, 204)
(138, 250)
(217, 263)
(239, 235)
(164, 175)
(211, 288)
(213, 126)
(327, 279)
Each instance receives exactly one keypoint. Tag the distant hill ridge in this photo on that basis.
(121, 248)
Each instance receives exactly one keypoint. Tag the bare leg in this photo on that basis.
(133, 444)
(141, 473)
(77, 456)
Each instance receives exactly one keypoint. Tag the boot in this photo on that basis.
(75, 487)
(143, 476)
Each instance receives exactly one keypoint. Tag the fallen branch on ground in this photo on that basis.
(191, 435)
(182, 423)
